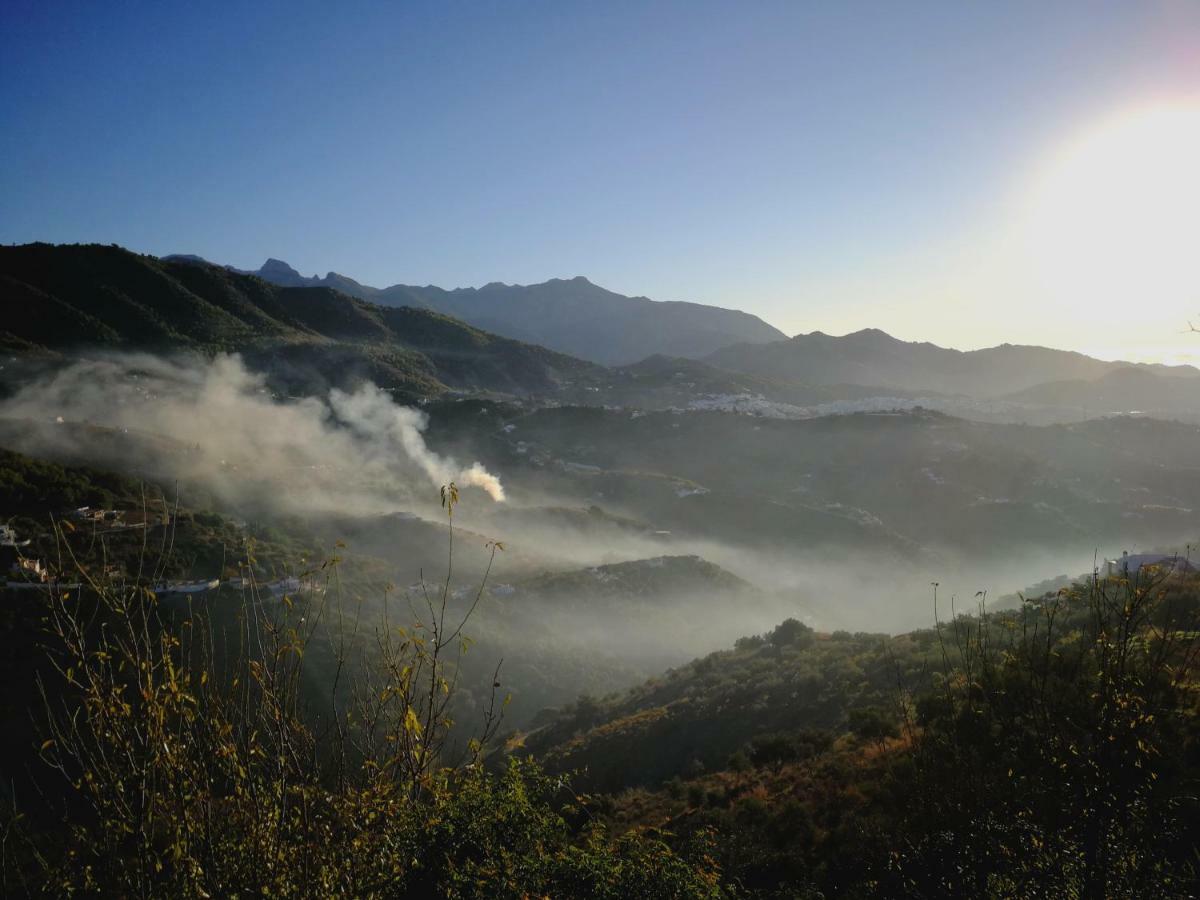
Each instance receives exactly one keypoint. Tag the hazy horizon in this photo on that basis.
(1113, 353)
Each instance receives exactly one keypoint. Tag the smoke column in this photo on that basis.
(349, 452)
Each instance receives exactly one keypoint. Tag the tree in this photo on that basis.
(773, 750)
(791, 633)
(1062, 737)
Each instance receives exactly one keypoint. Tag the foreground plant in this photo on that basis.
(194, 763)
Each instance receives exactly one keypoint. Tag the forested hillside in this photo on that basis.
(1061, 735)
(1052, 750)
(92, 297)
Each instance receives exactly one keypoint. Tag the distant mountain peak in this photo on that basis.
(578, 280)
(871, 336)
(277, 268)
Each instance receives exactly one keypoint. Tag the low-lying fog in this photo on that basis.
(357, 465)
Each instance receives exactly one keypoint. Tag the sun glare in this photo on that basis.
(1111, 221)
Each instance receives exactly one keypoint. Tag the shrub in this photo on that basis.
(189, 771)
(872, 723)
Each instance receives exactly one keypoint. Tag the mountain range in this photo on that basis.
(587, 321)
(568, 315)
(420, 342)
(67, 298)
(872, 357)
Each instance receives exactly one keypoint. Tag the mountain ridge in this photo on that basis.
(570, 315)
(95, 296)
(90, 296)
(873, 357)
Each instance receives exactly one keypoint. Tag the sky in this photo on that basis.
(964, 173)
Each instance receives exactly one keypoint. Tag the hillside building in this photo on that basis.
(1128, 565)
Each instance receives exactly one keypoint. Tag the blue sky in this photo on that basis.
(826, 166)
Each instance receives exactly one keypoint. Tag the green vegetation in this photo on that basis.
(29, 487)
(1053, 750)
(310, 743)
(180, 760)
(36, 494)
(300, 746)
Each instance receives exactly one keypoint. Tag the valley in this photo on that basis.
(611, 533)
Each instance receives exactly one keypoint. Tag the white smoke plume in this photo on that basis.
(216, 422)
(382, 426)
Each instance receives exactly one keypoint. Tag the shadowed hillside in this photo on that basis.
(67, 298)
(570, 315)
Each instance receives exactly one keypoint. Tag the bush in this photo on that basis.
(792, 633)
(777, 750)
(1063, 738)
(872, 724)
